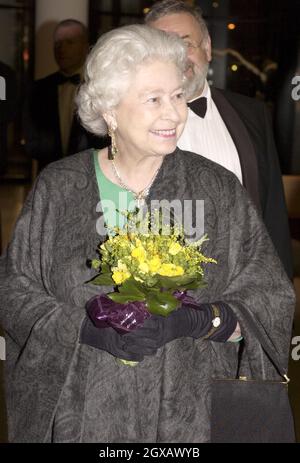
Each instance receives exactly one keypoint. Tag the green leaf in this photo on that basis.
(152, 282)
(162, 303)
(196, 284)
(105, 268)
(104, 279)
(133, 288)
(123, 298)
(176, 282)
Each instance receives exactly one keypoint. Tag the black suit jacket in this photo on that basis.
(42, 126)
(248, 122)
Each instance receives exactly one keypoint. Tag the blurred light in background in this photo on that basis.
(231, 26)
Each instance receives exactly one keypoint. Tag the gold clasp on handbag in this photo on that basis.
(287, 379)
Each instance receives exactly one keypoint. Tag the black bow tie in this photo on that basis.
(199, 106)
(62, 79)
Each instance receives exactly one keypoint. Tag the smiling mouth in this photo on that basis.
(164, 133)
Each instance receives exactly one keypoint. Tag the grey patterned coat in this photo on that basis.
(62, 391)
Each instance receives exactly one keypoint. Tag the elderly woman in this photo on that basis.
(63, 383)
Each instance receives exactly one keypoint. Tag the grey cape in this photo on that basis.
(58, 390)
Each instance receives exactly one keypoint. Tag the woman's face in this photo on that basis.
(151, 116)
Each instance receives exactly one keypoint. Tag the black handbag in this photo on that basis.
(252, 411)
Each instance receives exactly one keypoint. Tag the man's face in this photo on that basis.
(199, 50)
(70, 48)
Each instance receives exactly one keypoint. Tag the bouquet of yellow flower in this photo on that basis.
(151, 265)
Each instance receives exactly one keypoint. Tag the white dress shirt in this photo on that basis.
(209, 137)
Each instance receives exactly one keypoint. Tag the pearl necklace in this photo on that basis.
(139, 196)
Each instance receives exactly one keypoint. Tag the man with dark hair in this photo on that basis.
(51, 127)
(230, 129)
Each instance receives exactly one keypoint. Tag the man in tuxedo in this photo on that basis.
(52, 129)
(230, 129)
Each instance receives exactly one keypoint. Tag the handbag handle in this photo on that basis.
(264, 343)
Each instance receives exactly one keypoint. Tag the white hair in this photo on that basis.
(112, 63)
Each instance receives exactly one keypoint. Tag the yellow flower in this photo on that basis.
(174, 249)
(138, 242)
(119, 276)
(139, 253)
(170, 270)
(154, 264)
(143, 267)
(121, 266)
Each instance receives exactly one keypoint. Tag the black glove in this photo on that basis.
(183, 322)
(107, 339)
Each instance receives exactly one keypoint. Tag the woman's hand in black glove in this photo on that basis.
(183, 322)
(158, 330)
(107, 339)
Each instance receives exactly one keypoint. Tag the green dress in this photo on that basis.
(114, 199)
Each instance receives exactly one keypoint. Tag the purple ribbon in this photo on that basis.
(185, 299)
(124, 318)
